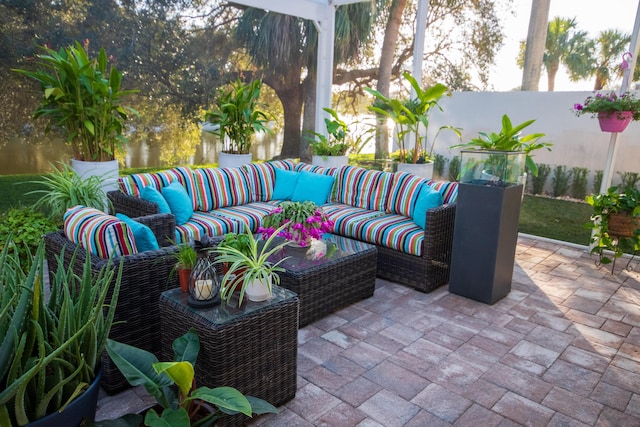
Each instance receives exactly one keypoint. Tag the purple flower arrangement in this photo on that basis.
(609, 103)
(306, 221)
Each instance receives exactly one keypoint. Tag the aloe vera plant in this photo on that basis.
(50, 348)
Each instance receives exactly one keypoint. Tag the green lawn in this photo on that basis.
(541, 216)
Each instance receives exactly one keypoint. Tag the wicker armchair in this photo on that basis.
(145, 276)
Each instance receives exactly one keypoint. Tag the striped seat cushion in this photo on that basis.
(363, 188)
(205, 224)
(392, 231)
(132, 185)
(104, 235)
(345, 217)
(261, 178)
(250, 215)
(448, 189)
(404, 193)
(221, 187)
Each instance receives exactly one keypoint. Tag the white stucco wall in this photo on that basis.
(577, 141)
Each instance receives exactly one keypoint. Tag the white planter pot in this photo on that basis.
(258, 290)
(226, 160)
(423, 170)
(106, 171)
(330, 161)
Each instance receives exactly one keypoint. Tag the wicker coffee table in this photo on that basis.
(253, 349)
(345, 274)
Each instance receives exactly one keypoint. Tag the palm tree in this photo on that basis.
(611, 45)
(567, 46)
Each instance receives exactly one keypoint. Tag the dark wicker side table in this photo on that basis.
(344, 275)
(253, 349)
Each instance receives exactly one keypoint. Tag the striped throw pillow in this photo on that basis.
(221, 187)
(261, 178)
(404, 193)
(104, 235)
(363, 188)
(448, 190)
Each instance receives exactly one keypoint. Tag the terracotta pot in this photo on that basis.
(183, 277)
(614, 122)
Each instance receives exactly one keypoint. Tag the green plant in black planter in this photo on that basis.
(50, 348)
(140, 367)
(615, 223)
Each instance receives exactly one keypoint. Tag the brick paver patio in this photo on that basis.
(563, 348)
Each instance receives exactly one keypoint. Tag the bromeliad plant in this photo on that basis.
(83, 96)
(141, 367)
(50, 349)
(609, 103)
(410, 115)
(298, 222)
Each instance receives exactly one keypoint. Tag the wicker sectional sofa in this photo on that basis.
(368, 205)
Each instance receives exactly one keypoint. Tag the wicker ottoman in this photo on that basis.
(253, 349)
(344, 275)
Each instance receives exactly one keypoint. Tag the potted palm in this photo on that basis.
(411, 116)
(332, 150)
(50, 351)
(83, 96)
(236, 118)
(191, 406)
(614, 112)
(250, 269)
(616, 223)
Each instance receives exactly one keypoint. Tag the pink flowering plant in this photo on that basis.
(609, 103)
(306, 221)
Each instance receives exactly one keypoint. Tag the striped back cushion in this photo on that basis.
(448, 189)
(221, 187)
(262, 178)
(104, 235)
(132, 185)
(363, 188)
(404, 193)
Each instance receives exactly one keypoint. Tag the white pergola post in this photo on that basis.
(322, 13)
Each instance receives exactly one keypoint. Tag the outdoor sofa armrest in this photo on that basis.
(163, 227)
(131, 206)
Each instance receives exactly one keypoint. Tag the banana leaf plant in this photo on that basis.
(50, 348)
(141, 367)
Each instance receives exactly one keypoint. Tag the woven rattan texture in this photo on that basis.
(256, 353)
(325, 288)
(144, 276)
(431, 270)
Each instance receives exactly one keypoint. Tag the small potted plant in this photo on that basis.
(297, 222)
(250, 270)
(616, 223)
(51, 349)
(411, 115)
(614, 112)
(201, 406)
(186, 257)
(332, 150)
(237, 118)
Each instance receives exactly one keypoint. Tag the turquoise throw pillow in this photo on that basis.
(314, 187)
(143, 236)
(285, 184)
(152, 195)
(427, 199)
(178, 201)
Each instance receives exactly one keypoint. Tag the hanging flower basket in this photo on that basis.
(622, 224)
(614, 122)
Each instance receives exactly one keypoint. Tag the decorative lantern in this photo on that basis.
(204, 288)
